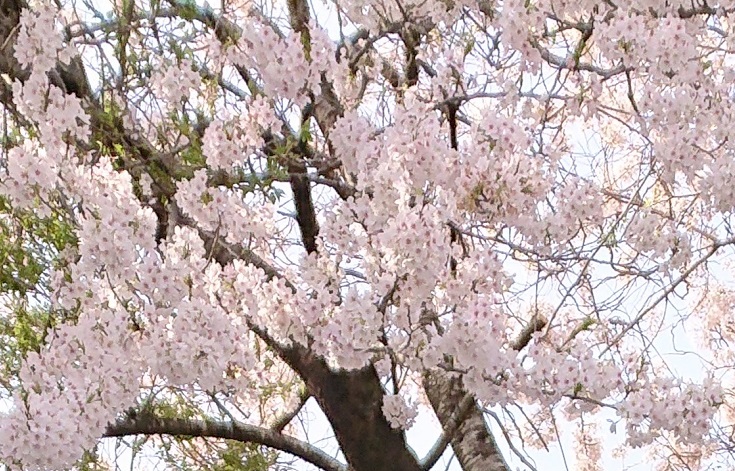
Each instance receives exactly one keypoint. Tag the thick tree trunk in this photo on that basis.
(352, 401)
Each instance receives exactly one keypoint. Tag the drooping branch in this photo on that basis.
(148, 424)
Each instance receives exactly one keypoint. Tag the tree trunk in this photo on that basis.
(472, 441)
(353, 401)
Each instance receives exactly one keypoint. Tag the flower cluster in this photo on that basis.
(399, 413)
(175, 82)
(688, 411)
(37, 45)
(432, 242)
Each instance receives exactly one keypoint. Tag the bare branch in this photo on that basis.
(148, 424)
(286, 418)
(450, 427)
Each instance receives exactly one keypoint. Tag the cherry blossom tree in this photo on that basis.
(491, 212)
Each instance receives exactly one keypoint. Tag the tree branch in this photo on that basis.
(449, 429)
(464, 425)
(148, 424)
(286, 418)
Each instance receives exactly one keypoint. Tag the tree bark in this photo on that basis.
(352, 401)
(472, 441)
(147, 424)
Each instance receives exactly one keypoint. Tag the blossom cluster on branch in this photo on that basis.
(258, 203)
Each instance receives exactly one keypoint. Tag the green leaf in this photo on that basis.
(305, 133)
(468, 47)
(206, 198)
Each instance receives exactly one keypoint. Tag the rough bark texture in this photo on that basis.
(472, 441)
(352, 401)
(146, 424)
